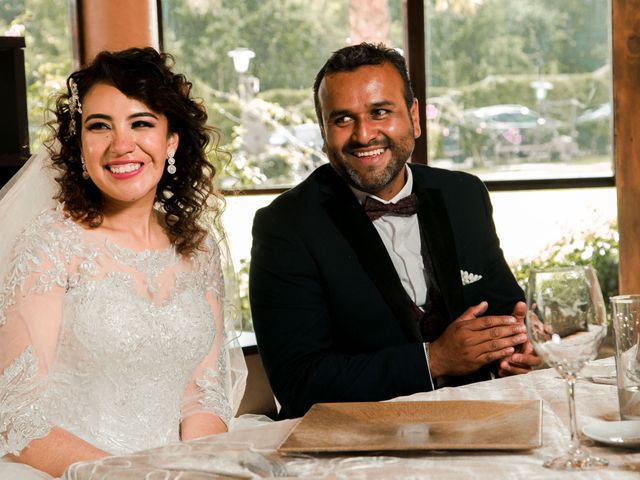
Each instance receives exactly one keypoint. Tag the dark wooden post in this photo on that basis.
(415, 54)
(14, 125)
(116, 25)
(626, 122)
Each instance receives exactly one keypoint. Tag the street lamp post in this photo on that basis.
(254, 133)
(541, 87)
(241, 58)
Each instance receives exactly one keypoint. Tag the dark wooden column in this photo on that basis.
(116, 25)
(415, 53)
(626, 121)
(14, 125)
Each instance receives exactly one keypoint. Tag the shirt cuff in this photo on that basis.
(426, 355)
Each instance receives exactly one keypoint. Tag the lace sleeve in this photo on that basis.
(31, 298)
(218, 382)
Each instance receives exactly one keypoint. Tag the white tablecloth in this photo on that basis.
(251, 453)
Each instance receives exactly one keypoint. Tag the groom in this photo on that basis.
(375, 278)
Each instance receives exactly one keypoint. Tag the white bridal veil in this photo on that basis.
(29, 192)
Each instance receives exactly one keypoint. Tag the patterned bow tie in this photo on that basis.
(405, 207)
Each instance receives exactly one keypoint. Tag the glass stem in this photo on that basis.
(573, 423)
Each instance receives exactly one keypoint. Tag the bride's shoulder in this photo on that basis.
(52, 221)
(207, 249)
(52, 227)
(49, 242)
(211, 256)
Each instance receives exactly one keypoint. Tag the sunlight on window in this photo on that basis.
(520, 90)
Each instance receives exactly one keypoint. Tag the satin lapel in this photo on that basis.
(438, 234)
(349, 217)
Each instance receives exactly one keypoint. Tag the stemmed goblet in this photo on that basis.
(566, 322)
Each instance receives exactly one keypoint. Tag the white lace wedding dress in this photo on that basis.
(112, 345)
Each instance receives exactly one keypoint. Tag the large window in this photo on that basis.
(515, 90)
(254, 62)
(519, 90)
(48, 55)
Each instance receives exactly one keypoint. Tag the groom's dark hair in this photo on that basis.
(349, 58)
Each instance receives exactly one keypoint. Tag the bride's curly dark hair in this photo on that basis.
(147, 76)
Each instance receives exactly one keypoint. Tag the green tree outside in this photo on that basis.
(48, 56)
(467, 42)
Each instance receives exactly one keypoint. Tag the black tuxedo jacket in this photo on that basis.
(332, 319)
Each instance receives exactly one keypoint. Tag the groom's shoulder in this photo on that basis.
(305, 196)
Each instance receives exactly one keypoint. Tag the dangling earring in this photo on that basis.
(85, 174)
(171, 168)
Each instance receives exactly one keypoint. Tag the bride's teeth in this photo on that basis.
(129, 167)
(379, 151)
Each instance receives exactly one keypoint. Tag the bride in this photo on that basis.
(115, 334)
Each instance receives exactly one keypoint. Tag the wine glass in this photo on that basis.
(566, 323)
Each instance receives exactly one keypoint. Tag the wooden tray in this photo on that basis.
(438, 425)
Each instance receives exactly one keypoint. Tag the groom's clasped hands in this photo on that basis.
(473, 340)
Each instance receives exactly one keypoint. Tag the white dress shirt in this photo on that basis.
(401, 237)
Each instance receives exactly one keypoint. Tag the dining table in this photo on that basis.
(251, 449)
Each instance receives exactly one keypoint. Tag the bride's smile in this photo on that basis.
(124, 170)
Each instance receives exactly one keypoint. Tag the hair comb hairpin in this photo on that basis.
(74, 106)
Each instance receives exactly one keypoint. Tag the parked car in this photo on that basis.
(503, 133)
(601, 112)
(305, 135)
(594, 130)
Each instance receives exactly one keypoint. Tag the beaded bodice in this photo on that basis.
(113, 345)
